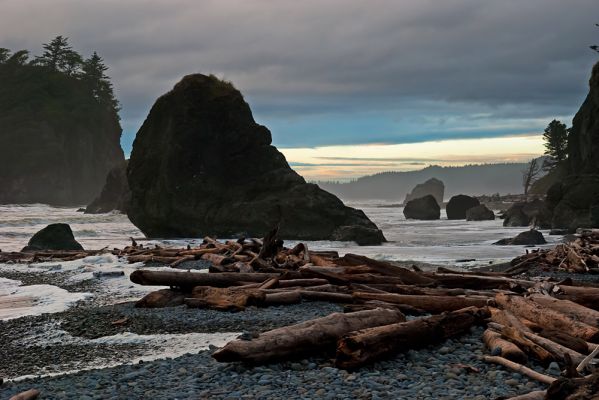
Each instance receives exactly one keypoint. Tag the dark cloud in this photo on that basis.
(421, 67)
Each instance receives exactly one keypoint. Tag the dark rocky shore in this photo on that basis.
(439, 372)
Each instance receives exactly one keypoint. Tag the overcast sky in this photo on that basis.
(339, 72)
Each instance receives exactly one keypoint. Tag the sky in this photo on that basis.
(370, 82)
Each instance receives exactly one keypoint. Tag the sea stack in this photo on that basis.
(201, 165)
(433, 186)
(57, 141)
(575, 200)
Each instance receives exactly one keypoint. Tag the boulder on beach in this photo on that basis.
(53, 237)
(115, 193)
(433, 186)
(425, 208)
(458, 205)
(531, 237)
(201, 165)
(525, 213)
(479, 213)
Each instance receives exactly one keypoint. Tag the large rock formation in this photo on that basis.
(53, 237)
(527, 238)
(575, 200)
(479, 213)
(201, 165)
(525, 213)
(433, 186)
(115, 193)
(425, 208)
(57, 142)
(458, 205)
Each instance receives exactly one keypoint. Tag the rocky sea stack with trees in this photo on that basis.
(60, 126)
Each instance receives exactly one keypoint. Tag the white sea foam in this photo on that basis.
(438, 242)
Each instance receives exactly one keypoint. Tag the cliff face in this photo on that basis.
(57, 143)
(575, 200)
(583, 141)
(201, 165)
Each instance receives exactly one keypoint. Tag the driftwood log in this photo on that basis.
(367, 345)
(507, 349)
(547, 317)
(431, 304)
(304, 338)
(30, 394)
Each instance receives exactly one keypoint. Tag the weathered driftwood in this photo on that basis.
(327, 296)
(507, 349)
(304, 338)
(531, 348)
(364, 346)
(478, 282)
(386, 268)
(302, 282)
(225, 299)
(546, 317)
(506, 318)
(30, 394)
(372, 304)
(570, 308)
(536, 395)
(563, 338)
(574, 388)
(288, 297)
(191, 279)
(520, 368)
(431, 291)
(432, 304)
(161, 298)
(585, 296)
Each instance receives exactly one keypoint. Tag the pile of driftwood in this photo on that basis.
(578, 256)
(525, 319)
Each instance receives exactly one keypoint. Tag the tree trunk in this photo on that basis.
(302, 282)
(385, 268)
(30, 394)
(305, 338)
(367, 345)
(290, 297)
(547, 317)
(191, 279)
(327, 296)
(509, 350)
(224, 299)
(161, 298)
(432, 304)
(478, 282)
(520, 368)
(585, 296)
(571, 309)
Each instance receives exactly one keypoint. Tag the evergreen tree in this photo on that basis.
(18, 58)
(59, 56)
(556, 141)
(4, 54)
(94, 74)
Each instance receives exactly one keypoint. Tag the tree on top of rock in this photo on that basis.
(99, 83)
(59, 56)
(556, 141)
(4, 54)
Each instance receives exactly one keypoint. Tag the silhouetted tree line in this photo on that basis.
(58, 61)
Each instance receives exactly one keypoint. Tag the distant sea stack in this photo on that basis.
(575, 200)
(115, 194)
(57, 141)
(201, 165)
(433, 186)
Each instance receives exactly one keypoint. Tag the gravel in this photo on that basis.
(433, 373)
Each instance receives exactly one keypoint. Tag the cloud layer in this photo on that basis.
(339, 71)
